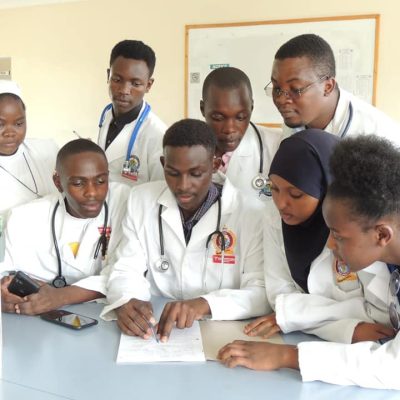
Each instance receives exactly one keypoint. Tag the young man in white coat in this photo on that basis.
(63, 240)
(305, 92)
(130, 133)
(364, 229)
(190, 240)
(246, 149)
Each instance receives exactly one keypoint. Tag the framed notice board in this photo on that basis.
(251, 46)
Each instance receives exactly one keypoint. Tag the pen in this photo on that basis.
(151, 326)
(77, 134)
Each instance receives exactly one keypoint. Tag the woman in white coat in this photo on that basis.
(66, 239)
(189, 240)
(307, 286)
(26, 165)
(361, 210)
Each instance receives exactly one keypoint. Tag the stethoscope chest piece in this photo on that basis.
(59, 282)
(162, 264)
(259, 182)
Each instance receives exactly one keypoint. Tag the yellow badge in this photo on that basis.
(74, 246)
(228, 256)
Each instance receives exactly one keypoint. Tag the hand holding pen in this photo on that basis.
(136, 318)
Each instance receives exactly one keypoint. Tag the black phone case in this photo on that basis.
(22, 285)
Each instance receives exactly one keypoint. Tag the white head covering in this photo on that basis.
(7, 86)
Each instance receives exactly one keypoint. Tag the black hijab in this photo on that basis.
(303, 160)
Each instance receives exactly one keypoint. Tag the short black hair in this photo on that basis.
(366, 175)
(226, 78)
(136, 50)
(190, 132)
(77, 146)
(4, 96)
(313, 47)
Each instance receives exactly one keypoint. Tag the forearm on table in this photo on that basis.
(76, 294)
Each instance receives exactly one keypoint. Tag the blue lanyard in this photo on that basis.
(135, 131)
(103, 114)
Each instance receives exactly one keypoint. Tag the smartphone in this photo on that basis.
(68, 319)
(22, 285)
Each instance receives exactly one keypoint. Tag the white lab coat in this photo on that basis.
(366, 120)
(41, 156)
(332, 309)
(147, 147)
(367, 364)
(233, 291)
(244, 164)
(29, 242)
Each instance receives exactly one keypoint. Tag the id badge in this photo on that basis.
(130, 168)
(228, 256)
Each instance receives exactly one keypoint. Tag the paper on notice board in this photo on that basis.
(183, 345)
(217, 334)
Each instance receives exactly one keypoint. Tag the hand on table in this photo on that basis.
(9, 301)
(134, 318)
(265, 327)
(183, 314)
(48, 298)
(259, 355)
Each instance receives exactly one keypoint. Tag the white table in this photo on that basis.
(46, 361)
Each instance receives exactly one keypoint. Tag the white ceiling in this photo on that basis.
(28, 3)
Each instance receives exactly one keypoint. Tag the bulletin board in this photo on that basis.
(251, 47)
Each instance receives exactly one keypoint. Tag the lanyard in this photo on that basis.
(135, 131)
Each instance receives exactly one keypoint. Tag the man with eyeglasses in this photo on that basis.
(305, 92)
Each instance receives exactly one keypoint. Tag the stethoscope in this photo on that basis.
(260, 182)
(59, 281)
(348, 123)
(163, 263)
(135, 130)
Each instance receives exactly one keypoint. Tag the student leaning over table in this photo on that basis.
(362, 212)
(246, 149)
(178, 221)
(85, 215)
(307, 286)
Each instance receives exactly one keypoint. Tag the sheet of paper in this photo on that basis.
(183, 345)
(217, 334)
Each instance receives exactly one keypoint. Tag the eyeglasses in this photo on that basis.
(293, 94)
(394, 288)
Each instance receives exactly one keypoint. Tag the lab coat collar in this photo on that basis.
(339, 120)
(207, 224)
(119, 146)
(88, 243)
(245, 146)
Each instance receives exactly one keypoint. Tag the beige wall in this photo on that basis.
(60, 52)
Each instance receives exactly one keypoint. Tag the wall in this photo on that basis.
(60, 52)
